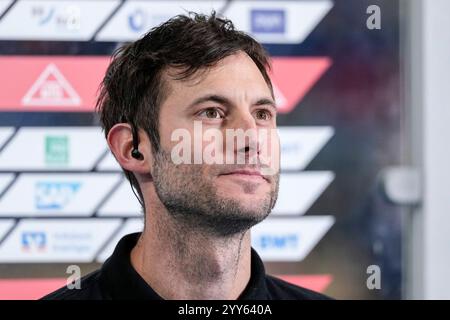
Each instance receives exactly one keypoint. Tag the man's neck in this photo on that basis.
(181, 263)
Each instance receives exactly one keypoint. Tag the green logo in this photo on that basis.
(56, 150)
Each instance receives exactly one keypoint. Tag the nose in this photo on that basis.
(246, 145)
(244, 120)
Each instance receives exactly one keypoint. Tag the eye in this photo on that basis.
(263, 114)
(211, 113)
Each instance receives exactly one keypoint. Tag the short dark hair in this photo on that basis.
(133, 88)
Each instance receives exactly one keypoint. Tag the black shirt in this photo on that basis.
(117, 279)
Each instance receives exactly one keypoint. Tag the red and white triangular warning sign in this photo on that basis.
(51, 89)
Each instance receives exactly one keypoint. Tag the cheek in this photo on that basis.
(175, 135)
(167, 133)
(171, 122)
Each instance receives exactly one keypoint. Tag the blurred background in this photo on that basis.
(363, 89)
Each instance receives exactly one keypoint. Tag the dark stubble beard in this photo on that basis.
(192, 200)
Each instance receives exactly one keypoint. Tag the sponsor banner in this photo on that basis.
(55, 20)
(55, 83)
(121, 203)
(271, 234)
(299, 145)
(53, 148)
(57, 240)
(136, 18)
(52, 195)
(130, 226)
(294, 77)
(50, 83)
(289, 239)
(281, 22)
(299, 191)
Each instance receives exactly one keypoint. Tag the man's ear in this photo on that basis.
(120, 141)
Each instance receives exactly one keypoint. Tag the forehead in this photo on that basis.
(231, 75)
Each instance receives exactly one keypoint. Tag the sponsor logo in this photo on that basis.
(42, 14)
(57, 150)
(139, 20)
(76, 242)
(290, 148)
(69, 18)
(63, 241)
(55, 195)
(268, 21)
(51, 88)
(287, 241)
(36, 240)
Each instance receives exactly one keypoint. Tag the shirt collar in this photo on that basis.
(119, 279)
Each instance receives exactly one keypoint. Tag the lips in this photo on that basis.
(246, 172)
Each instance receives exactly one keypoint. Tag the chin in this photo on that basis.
(246, 198)
(252, 205)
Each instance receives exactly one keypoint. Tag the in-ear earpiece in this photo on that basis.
(135, 153)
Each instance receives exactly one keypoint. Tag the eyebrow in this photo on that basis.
(225, 101)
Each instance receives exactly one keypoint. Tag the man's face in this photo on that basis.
(215, 197)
